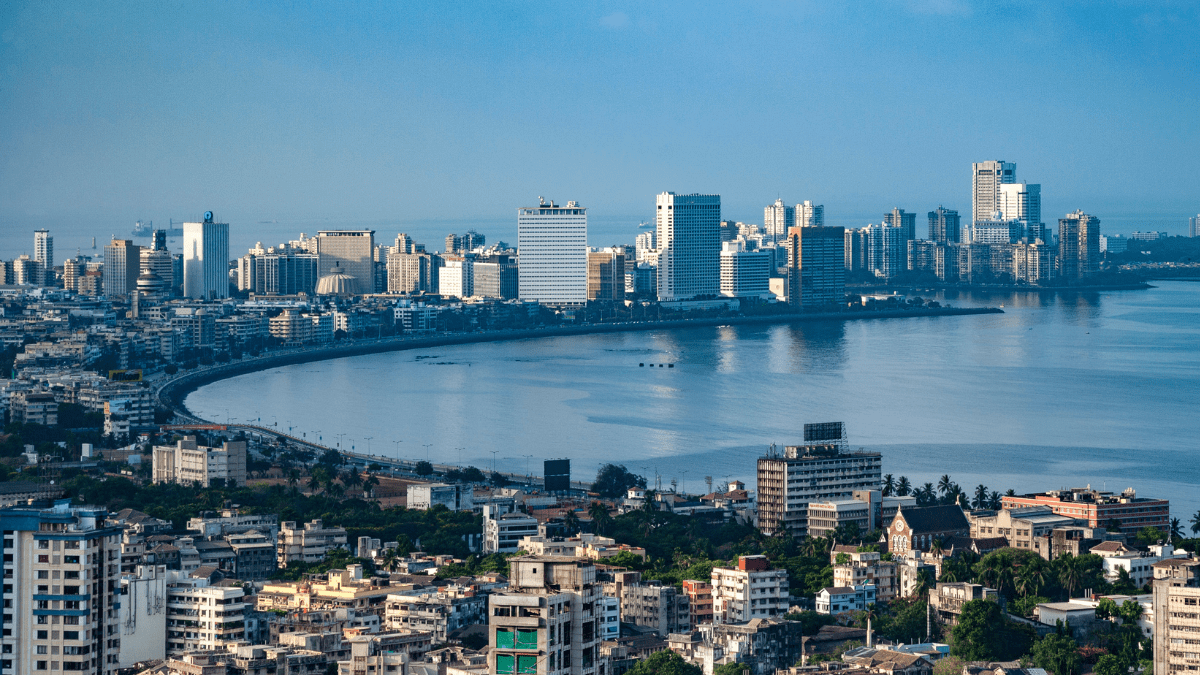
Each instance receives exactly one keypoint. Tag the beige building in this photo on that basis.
(342, 589)
(186, 463)
(867, 568)
(825, 517)
(749, 591)
(34, 407)
(1020, 527)
(202, 616)
(1176, 616)
(948, 599)
(384, 653)
(309, 543)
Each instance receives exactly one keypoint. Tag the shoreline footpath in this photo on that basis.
(171, 394)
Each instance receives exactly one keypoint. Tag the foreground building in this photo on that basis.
(61, 586)
(1176, 616)
(752, 590)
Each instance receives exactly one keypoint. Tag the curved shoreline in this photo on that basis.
(172, 393)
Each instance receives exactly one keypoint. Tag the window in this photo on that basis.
(41, 665)
(527, 639)
(505, 664)
(43, 574)
(71, 560)
(43, 635)
(505, 639)
(526, 664)
(43, 558)
(70, 635)
(43, 544)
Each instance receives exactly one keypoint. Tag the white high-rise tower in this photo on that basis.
(43, 254)
(206, 259)
(777, 218)
(689, 245)
(810, 215)
(1022, 202)
(986, 179)
(552, 254)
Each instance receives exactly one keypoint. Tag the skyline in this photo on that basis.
(381, 115)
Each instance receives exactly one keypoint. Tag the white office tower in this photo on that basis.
(643, 245)
(1023, 203)
(689, 245)
(353, 252)
(206, 259)
(43, 253)
(1194, 226)
(61, 570)
(777, 218)
(744, 274)
(552, 254)
(810, 215)
(457, 278)
(986, 179)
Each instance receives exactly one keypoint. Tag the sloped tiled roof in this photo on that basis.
(935, 518)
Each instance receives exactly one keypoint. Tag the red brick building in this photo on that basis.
(1098, 509)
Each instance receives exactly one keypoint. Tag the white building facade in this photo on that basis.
(744, 273)
(552, 251)
(689, 245)
(206, 259)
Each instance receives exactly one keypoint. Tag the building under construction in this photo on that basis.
(823, 469)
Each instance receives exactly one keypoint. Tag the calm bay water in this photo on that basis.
(1060, 390)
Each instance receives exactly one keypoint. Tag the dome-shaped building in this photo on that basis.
(337, 282)
(149, 283)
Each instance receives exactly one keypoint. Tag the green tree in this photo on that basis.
(734, 668)
(1110, 664)
(423, 468)
(984, 634)
(1058, 654)
(1107, 609)
(665, 663)
(612, 480)
(904, 487)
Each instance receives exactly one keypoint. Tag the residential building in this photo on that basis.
(142, 615)
(845, 600)
(986, 181)
(1100, 509)
(1078, 245)
(60, 593)
(503, 532)
(254, 555)
(926, 528)
(936, 258)
(498, 276)
(1033, 263)
(606, 274)
(415, 317)
(122, 266)
(825, 517)
(945, 226)
(657, 607)
(412, 272)
(700, 601)
(609, 618)
(545, 623)
(186, 462)
(752, 590)
(821, 470)
(777, 219)
(856, 249)
(644, 244)
(867, 567)
(816, 266)
(885, 250)
(809, 214)
(37, 406)
(456, 279)
(279, 271)
(553, 254)
(425, 496)
(1138, 565)
(1020, 527)
(464, 243)
(353, 252)
(1022, 203)
(202, 615)
(440, 612)
(1176, 616)
(993, 231)
(1073, 539)
(384, 653)
(904, 220)
(43, 254)
(947, 599)
(309, 543)
(744, 274)
(206, 259)
(1113, 243)
(1194, 226)
(689, 245)
(340, 590)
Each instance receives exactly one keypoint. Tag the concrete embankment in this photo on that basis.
(172, 393)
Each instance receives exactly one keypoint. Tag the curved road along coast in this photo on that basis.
(171, 393)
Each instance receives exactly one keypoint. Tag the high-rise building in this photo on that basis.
(777, 218)
(809, 214)
(497, 276)
(944, 225)
(122, 266)
(158, 240)
(986, 179)
(62, 567)
(1176, 596)
(456, 278)
(206, 259)
(282, 271)
(606, 274)
(689, 245)
(816, 266)
(43, 252)
(27, 271)
(935, 257)
(159, 263)
(1033, 263)
(1023, 203)
(352, 251)
(856, 249)
(464, 243)
(1194, 226)
(886, 250)
(553, 254)
(902, 219)
(565, 640)
(412, 273)
(752, 590)
(744, 274)
(1078, 245)
(821, 470)
(643, 244)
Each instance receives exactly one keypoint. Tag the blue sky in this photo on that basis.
(414, 113)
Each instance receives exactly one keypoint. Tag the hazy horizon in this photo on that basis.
(432, 118)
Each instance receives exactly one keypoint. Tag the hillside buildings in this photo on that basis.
(187, 462)
(553, 254)
(309, 543)
(689, 245)
(205, 259)
(752, 590)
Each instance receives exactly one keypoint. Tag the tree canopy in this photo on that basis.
(614, 479)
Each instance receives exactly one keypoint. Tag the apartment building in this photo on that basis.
(60, 593)
(752, 590)
(502, 533)
(384, 653)
(437, 612)
(187, 462)
(1097, 508)
(700, 601)
(309, 543)
(660, 608)
(1176, 616)
(454, 497)
(844, 600)
(1139, 565)
(1020, 527)
(202, 615)
(867, 567)
(339, 590)
(546, 622)
(947, 599)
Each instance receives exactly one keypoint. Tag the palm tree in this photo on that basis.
(1069, 573)
(944, 483)
(571, 522)
(869, 615)
(1010, 493)
(314, 483)
(981, 496)
(994, 501)
(889, 485)
(924, 583)
(370, 484)
(600, 517)
(1176, 529)
(293, 477)
(1196, 523)
(903, 488)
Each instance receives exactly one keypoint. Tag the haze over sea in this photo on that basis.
(1061, 390)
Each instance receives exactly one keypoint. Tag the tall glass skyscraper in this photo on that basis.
(689, 245)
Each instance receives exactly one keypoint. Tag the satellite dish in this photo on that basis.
(208, 216)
